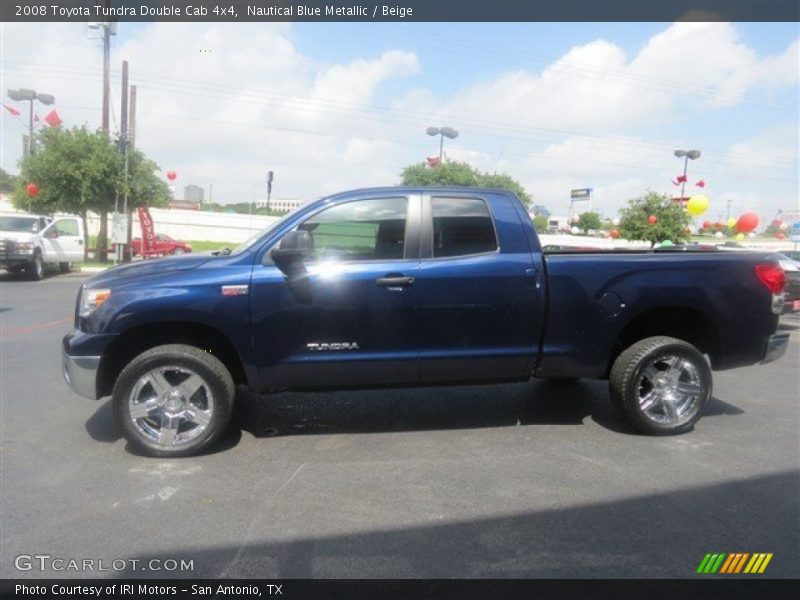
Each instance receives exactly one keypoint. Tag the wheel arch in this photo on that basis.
(687, 324)
(135, 340)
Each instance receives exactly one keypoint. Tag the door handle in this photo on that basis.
(80, 242)
(395, 282)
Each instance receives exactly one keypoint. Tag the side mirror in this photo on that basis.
(295, 247)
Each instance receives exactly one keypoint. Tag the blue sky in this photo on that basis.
(332, 106)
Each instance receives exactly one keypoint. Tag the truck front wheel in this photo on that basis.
(661, 385)
(35, 270)
(173, 400)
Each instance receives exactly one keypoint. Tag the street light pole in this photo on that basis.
(686, 155)
(29, 96)
(442, 132)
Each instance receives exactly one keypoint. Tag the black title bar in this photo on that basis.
(731, 588)
(399, 10)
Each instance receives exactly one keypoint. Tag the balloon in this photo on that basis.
(614, 234)
(574, 219)
(747, 223)
(707, 224)
(32, 190)
(697, 205)
(575, 230)
(784, 226)
(752, 234)
(172, 175)
(666, 244)
(739, 237)
(719, 234)
(652, 220)
(777, 222)
(731, 223)
(780, 235)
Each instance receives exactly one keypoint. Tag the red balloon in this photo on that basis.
(614, 234)
(707, 224)
(32, 190)
(652, 220)
(747, 223)
(780, 235)
(172, 175)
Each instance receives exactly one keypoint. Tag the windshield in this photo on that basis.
(21, 224)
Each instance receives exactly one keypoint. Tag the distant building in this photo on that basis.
(193, 193)
(282, 204)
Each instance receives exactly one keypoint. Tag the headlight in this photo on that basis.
(91, 300)
(25, 247)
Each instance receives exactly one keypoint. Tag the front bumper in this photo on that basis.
(775, 347)
(80, 373)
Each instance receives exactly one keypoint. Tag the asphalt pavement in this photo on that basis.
(521, 480)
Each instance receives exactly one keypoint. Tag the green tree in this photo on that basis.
(454, 173)
(589, 220)
(7, 182)
(672, 220)
(79, 171)
(540, 224)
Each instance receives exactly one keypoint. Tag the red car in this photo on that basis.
(164, 245)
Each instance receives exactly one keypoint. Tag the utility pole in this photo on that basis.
(119, 215)
(728, 214)
(106, 73)
(131, 144)
(132, 118)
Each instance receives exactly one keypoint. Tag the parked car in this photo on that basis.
(163, 245)
(792, 254)
(30, 243)
(792, 292)
(414, 287)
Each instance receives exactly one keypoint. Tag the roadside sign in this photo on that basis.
(581, 194)
(796, 232)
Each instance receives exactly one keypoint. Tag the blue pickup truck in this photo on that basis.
(413, 287)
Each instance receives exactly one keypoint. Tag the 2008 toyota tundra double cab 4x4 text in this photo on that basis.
(413, 287)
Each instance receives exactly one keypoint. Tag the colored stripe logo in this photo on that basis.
(735, 562)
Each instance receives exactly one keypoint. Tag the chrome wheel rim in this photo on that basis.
(171, 406)
(39, 266)
(669, 389)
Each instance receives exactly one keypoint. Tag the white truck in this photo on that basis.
(30, 243)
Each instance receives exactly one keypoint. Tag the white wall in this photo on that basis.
(198, 225)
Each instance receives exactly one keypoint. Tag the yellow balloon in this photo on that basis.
(731, 223)
(740, 236)
(697, 205)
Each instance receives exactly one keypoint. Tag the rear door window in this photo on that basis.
(462, 226)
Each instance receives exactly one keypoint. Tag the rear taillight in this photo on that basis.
(771, 276)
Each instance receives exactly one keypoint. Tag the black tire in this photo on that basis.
(210, 369)
(35, 270)
(65, 267)
(178, 251)
(628, 381)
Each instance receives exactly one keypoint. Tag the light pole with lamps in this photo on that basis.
(686, 155)
(30, 96)
(442, 132)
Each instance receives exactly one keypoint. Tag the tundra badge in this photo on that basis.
(319, 346)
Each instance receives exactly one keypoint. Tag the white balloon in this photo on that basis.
(752, 234)
(575, 230)
(719, 234)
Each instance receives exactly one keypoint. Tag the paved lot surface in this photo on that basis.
(524, 480)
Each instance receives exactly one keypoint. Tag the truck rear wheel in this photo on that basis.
(661, 385)
(173, 400)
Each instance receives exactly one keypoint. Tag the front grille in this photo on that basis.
(6, 247)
